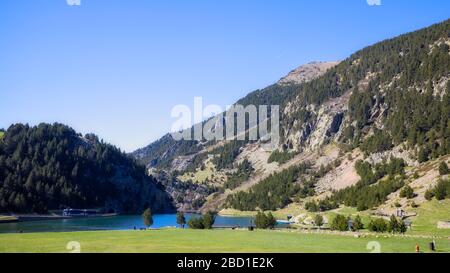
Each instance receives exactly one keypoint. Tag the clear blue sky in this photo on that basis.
(117, 67)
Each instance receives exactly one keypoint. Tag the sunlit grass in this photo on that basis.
(215, 241)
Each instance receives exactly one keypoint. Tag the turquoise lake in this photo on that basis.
(124, 222)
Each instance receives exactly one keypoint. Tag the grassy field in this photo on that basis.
(207, 241)
(428, 214)
(1, 134)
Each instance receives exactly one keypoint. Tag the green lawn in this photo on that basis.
(428, 215)
(216, 241)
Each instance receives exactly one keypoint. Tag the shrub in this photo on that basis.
(357, 223)
(147, 217)
(311, 206)
(318, 220)
(196, 223)
(396, 226)
(202, 222)
(440, 191)
(340, 223)
(378, 225)
(443, 169)
(429, 194)
(208, 220)
(407, 192)
(263, 221)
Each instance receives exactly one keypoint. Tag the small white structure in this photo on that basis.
(400, 213)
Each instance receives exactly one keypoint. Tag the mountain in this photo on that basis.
(52, 167)
(306, 73)
(340, 122)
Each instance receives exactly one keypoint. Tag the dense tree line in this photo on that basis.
(417, 115)
(52, 167)
(227, 153)
(272, 193)
(366, 194)
(244, 170)
(393, 225)
(280, 157)
(321, 205)
(378, 142)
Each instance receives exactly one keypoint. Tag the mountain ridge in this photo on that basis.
(388, 99)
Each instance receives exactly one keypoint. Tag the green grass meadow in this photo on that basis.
(208, 241)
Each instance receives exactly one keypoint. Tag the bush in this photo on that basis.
(263, 221)
(311, 206)
(196, 223)
(393, 224)
(181, 220)
(407, 192)
(443, 169)
(318, 220)
(357, 223)
(204, 222)
(147, 217)
(378, 225)
(208, 220)
(440, 191)
(429, 194)
(396, 226)
(340, 223)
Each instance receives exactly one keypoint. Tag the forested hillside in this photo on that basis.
(394, 95)
(52, 167)
(396, 92)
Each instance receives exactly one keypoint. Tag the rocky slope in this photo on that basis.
(306, 73)
(388, 100)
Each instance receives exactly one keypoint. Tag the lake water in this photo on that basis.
(124, 222)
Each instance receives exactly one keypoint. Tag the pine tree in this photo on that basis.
(443, 168)
(147, 217)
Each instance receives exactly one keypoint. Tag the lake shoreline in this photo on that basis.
(46, 217)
